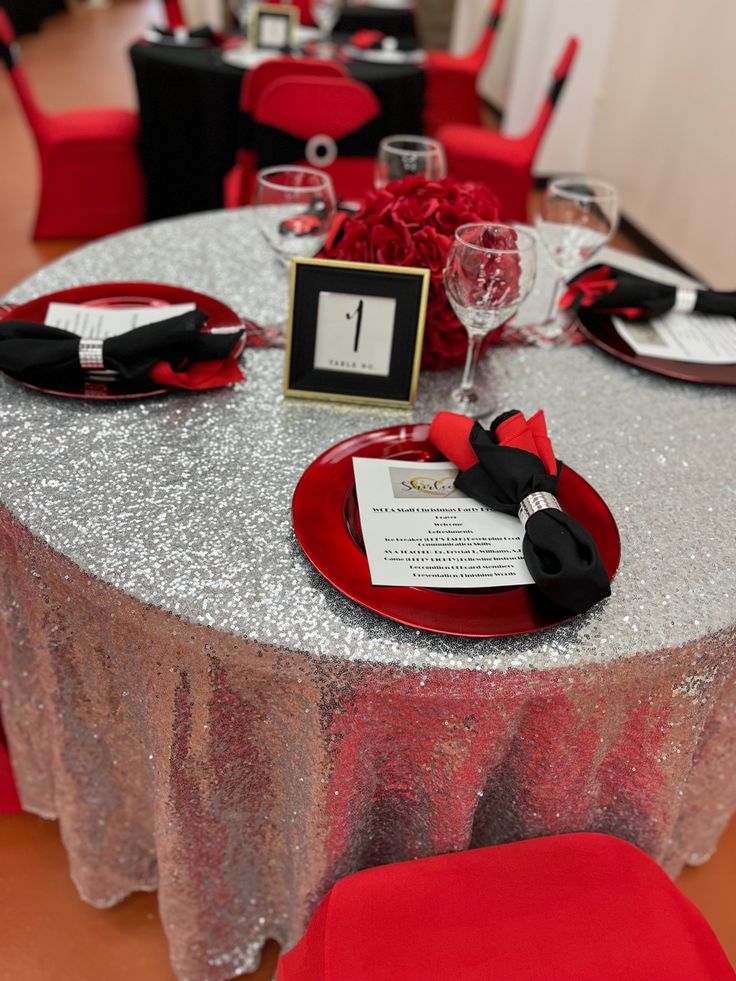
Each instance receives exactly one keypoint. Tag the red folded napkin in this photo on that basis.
(450, 433)
(199, 375)
(366, 38)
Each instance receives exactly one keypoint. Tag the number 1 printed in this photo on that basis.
(358, 315)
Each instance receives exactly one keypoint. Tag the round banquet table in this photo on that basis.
(206, 716)
(191, 126)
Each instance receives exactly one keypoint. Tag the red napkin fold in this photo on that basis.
(366, 38)
(450, 433)
(199, 375)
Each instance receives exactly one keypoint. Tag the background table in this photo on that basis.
(190, 122)
(205, 715)
(394, 22)
(27, 15)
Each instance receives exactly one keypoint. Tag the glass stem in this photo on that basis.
(471, 362)
(556, 296)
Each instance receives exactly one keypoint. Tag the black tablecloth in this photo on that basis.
(395, 23)
(26, 15)
(190, 120)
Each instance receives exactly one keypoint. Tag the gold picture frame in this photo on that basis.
(265, 10)
(388, 375)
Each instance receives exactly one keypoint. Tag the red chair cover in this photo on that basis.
(9, 801)
(291, 111)
(238, 183)
(91, 179)
(570, 908)
(505, 163)
(174, 15)
(451, 95)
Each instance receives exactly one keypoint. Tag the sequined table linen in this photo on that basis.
(206, 716)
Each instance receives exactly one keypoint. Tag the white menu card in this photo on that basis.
(102, 322)
(694, 337)
(419, 530)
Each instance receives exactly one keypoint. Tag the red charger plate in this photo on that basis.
(120, 295)
(327, 526)
(600, 330)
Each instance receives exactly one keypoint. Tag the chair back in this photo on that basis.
(260, 78)
(480, 52)
(329, 123)
(174, 14)
(533, 137)
(305, 12)
(10, 55)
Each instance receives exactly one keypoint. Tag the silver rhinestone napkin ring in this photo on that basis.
(538, 501)
(90, 353)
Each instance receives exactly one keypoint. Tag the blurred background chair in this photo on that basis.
(174, 15)
(91, 180)
(451, 94)
(328, 123)
(567, 908)
(502, 162)
(9, 801)
(238, 182)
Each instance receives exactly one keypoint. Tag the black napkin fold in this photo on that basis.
(43, 355)
(561, 555)
(606, 289)
(198, 34)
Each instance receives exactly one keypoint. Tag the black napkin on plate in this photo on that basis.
(605, 289)
(184, 34)
(47, 356)
(501, 467)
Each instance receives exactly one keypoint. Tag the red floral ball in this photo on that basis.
(412, 223)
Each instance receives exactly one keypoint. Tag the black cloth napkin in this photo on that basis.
(198, 34)
(46, 356)
(561, 555)
(605, 289)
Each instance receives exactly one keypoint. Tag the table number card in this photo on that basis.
(418, 530)
(355, 331)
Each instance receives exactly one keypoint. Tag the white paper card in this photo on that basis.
(419, 530)
(693, 337)
(102, 322)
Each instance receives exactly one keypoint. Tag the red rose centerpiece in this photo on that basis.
(412, 222)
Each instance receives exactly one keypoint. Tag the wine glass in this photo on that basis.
(576, 218)
(326, 14)
(489, 271)
(295, 207)
(402, 156)
(240, 10)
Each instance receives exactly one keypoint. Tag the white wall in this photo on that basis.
(665, 130)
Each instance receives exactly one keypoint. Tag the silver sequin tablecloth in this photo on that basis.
(205, 715)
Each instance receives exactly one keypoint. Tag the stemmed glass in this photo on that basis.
(576, 218)
(240, 10)
(489, 272)
(401, 156)
(326, 14)
(295, 207)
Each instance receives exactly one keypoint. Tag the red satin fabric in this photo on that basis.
(451, 95)
(503, 163)
(570, 908)
(238, 182)
(198, 376)
(450, 433)
(9, 800)
(174, 14)
(91, 179)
